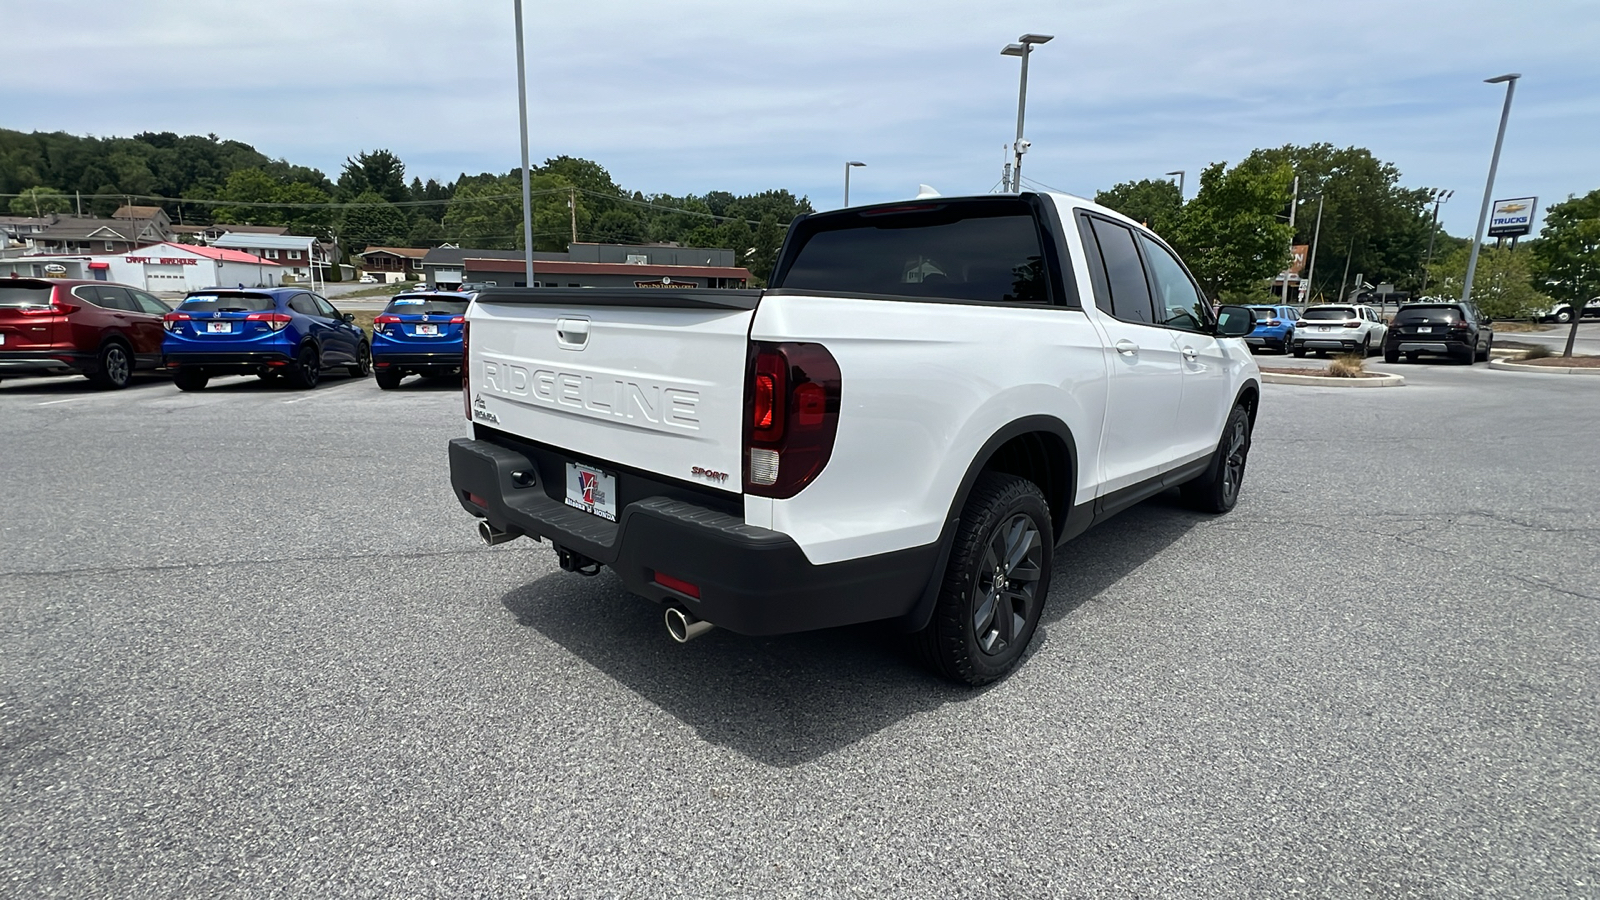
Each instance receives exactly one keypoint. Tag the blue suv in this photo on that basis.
(267, 332)
(1274, 327)
(419, 333)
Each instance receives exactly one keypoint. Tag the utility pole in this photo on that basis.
(527, 198)
(1294, 202)
(1348, 251)
(572, 207)
(1510, 82)
(1311, 264)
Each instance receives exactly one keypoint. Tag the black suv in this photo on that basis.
(1456, 330)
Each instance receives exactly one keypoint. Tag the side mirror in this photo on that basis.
(1235, 321)
(349, 317)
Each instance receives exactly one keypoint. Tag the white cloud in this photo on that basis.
(706, 94)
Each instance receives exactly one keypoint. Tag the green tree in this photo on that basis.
(1155, 203)
(303, 218)
(424, 232)
(486, 212)
(380, 172)
(618, 226)
(1568, 255)
(1229, 234)
(764, 252)
(249, 186)
(373, 221)
(1502, 287)
(40, 201)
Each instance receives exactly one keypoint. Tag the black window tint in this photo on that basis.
(1440, 313)
(112, 297)
(1179, 304)
(426, 306)
(1329, 313)
(1130, 292)
(225, 302)
(1097, 266)
(301, 303)
(986, 250)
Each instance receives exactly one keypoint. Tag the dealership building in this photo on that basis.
(158, 268)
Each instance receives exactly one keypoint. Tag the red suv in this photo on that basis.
(93, 328)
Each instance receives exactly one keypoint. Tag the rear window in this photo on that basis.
(985, 250)
(1428, 314)
(426, 306)
(16, 296)
(1329, 313)
(1264, 312)
(227, 303)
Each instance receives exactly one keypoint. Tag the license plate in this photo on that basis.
(1424, 329)
(427, 329)
(219, 327)
(1322, 327)
(592, 491)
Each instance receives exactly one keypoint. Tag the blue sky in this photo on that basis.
(681, 97)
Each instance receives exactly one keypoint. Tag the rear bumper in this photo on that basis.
(241, 360)
(752, 580)
(34, 362)
(408, 359)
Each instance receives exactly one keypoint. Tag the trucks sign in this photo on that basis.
(1512, 218)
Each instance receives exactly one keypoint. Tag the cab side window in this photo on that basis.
(1124, 274)
(1179, 304)
(302, 304)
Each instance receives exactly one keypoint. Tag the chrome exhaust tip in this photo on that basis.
(492, 535)
(683, 626)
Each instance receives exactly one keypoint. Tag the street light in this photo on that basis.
(1510, 81)
(1022, 49)
(1180, 173)
(847, 167)
(1440, 195)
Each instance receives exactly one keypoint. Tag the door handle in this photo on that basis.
(1127, 347)
(572, 333)
(1188, 353)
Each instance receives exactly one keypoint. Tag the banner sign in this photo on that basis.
(1512, 218)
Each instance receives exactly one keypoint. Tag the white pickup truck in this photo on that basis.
(929, 398)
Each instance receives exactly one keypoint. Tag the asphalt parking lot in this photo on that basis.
(250, 646)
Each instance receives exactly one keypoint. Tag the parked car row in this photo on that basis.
(1450, 329)
(106, 332)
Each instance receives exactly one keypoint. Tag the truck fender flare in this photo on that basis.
(920, 613)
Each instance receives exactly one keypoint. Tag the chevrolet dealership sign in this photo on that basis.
(1512, 218)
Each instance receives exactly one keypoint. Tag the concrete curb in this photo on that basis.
(1509, 366)
(1382, 381)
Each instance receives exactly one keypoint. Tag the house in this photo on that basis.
(17, 233)
(391, 265)
(150, 224)
(163, 268)
(205, 234)
(70, 234)
(295, 253)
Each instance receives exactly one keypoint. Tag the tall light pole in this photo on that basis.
(1440, 195)
(847, 167)
(1180, 173)
(1510, 81)
(527, 198)
(1023, 48)
(1316, 237)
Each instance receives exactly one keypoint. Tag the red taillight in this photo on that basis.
(466, 381)
(56, 308)
(1462, 325)
(458, 320)
(1273, 323)
(275, 320)
(386, 319)
(791, 417)
(677, 584)
(170, 320)
(1354, 323)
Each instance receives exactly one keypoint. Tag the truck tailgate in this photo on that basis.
(651, 379)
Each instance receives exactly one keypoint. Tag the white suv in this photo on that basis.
(1342, 329)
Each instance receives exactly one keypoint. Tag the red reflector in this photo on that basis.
(457, 320)
(811, 403)
(382, 365)
(475, 500)
(677, 584)
(278, 362)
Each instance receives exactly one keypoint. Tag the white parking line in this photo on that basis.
(54, 402)
(314, 394)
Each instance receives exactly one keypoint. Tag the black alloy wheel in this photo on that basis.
(307, 367)
(1217, 490)
(995, 584)
(116, 370)
(363, 366)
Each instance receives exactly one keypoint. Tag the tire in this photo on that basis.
(1218, 489)
(389, 379)
(987, 612)
(1390, 355)
(1470, 356)
(191, 380)
(1411, 356)
(1564, 316)
(1484, 356)
(1299, 353)
(116, 368)
(1288, 339)
(307, 368)
(363, 366)
(1366, 347)
(268, 375)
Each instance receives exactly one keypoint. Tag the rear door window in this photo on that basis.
(305, 306)
(987, 251)
(113, 297)
(1130, 292)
